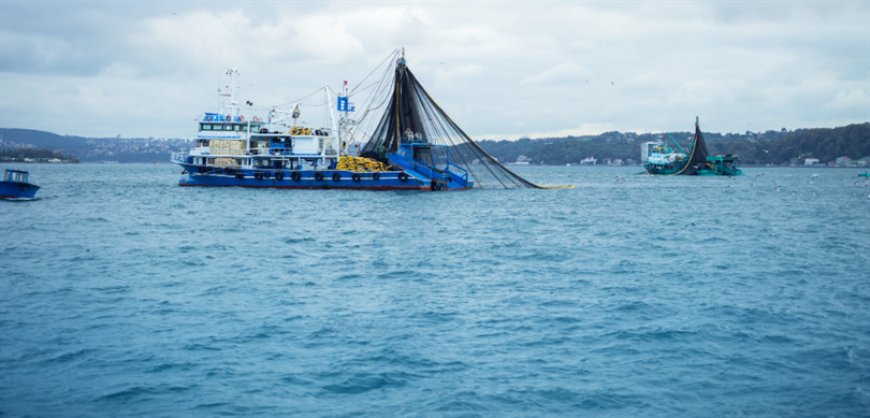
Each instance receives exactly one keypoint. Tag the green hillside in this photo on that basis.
(771, 147)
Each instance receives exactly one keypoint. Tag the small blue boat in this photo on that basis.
(15, 185)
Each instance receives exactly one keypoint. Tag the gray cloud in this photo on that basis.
(501, 69)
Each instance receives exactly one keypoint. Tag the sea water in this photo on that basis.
(122, 294)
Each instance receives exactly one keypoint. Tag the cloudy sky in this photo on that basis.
(500, 68)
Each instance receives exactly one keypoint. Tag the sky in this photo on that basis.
(501, 69)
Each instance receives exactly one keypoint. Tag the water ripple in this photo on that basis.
(122, 294)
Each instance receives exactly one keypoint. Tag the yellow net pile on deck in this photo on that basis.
(360, 164)
(298, 130)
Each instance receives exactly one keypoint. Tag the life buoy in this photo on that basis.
(336, 176)
(376, 176)
(318, 176)
(279, 176)
(296, 176)
(258, 176)
(355, 177)
(403, 177)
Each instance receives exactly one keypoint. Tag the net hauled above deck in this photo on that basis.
(698, 158)
(412, 116)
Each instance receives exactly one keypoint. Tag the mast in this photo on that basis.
(344, 107)
(400, 72)
(231, 105)
(332, 118)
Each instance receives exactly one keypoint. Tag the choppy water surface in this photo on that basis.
(122, 294)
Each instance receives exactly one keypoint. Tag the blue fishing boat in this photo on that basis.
(414, 146)
(16, 186)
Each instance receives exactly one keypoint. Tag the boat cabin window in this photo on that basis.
(15, 176)
(238, 127)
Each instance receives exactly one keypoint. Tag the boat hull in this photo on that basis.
(406, 175)
(310, 180)
(719, 172)
(659, 169)
(15, 190)
(715, 166)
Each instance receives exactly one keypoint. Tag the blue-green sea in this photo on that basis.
(122, 294)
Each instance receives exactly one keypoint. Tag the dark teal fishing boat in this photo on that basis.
(661, 159)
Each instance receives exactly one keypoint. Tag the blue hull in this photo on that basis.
(15, 190)
(310, 180)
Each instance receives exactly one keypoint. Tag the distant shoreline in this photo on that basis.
(529, 165)
(37, 161)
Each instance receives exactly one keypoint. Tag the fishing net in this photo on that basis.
(412, 116)
(698, 158)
